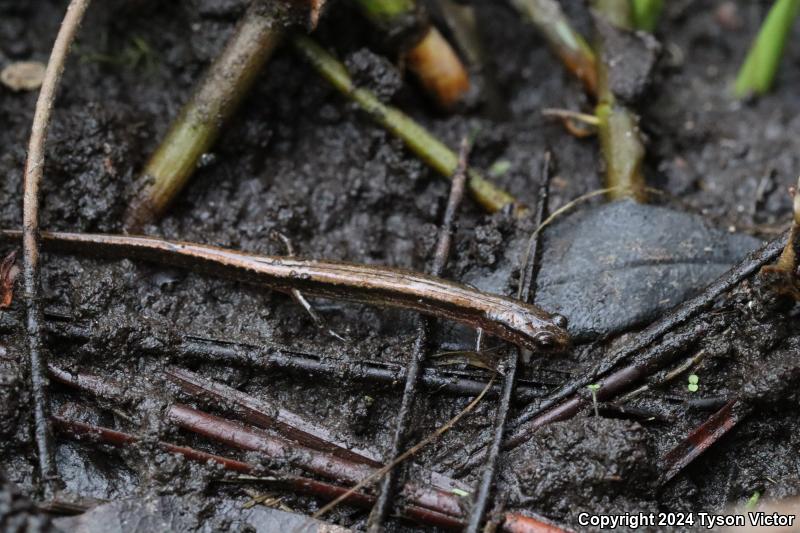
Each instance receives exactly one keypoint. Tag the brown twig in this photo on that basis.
(608, 387)
(656, 330)
(271, 357)
(375, 476)
(417, 360)
(701, 438)
(526, 292)
(236, 435)
(513, 523)
(267, 416)
(34, 169)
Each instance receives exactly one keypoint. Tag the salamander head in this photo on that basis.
(552, 336)
(529, 327)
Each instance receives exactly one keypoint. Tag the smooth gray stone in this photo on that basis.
(611, 267)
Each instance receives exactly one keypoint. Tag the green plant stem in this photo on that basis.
(646, 13)
(427, 147)
(197, 126)
(573, 50)
(758, 71)
(618, 126)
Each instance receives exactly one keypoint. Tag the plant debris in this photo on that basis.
(8, 275)
(23, 75)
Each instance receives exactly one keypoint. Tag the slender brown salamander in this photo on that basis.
(523, 324)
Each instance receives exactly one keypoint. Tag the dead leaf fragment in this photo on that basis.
(23, 75)
(8, 273)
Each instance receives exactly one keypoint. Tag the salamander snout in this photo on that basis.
(553, 337)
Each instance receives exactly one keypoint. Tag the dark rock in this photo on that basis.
(630, 58)
(611, 267)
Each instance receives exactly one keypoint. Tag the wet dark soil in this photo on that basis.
(300, 159)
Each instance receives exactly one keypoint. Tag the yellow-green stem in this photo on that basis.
(422, 143)
(618, 127)
(573, 50)
(197, 126)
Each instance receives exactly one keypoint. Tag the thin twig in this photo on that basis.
(436, 495)
(408, 453)
(34, 169)
(81, 431)
(417, 359)
(268, 416)
(607, 389)
(298, 297)
(269, 357)
(8, 274)
(703, 437)
(525, 292)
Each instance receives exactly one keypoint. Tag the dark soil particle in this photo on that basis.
(602, 465)
(300, 159)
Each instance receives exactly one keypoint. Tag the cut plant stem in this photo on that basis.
(573, 50)
(618, 127)
(646, 13)
(439, 69)
(761, 64)
(425, 51)
(427, 147)
(198, 124)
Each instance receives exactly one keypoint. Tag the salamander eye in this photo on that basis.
(560, 321)
(544, 340)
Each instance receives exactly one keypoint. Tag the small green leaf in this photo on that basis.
(593, 387)
(753, 501)
(460, 493)
(693, 379)
(499, 167)
(693, 387)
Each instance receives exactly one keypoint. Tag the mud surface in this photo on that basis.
(300, 159)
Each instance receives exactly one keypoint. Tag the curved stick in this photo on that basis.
(34, 167)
